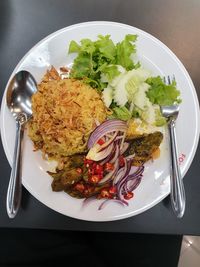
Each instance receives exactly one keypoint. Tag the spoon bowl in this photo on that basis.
(20, 90)
(19, 93)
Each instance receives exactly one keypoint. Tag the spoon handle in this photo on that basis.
(177, 187)
(14, 187)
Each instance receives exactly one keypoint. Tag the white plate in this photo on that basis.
(156, 57)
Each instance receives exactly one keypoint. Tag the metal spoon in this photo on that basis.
(177, 187)
(18, 98)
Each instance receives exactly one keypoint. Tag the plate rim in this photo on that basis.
(144, 33)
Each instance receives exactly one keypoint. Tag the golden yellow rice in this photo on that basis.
(65, 112)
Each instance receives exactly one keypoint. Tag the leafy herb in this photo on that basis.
(124, 50)
(121, 113)
(162, 94)
(110, 71)
(102, 57)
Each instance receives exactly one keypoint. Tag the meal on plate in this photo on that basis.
(100, 120)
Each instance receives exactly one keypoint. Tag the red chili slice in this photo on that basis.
(105, 193)
(113, 190)
(129, 195)
(109, 166)
(91, 171)
(94, 179)
(99, 169)
(88, 161)
(100, 141)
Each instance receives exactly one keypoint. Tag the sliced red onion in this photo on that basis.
(120, 183)
(129, 182)
(120, 195)
(123, 139)
(109, 176)
(106, 144)
(133, 184)
(128, 168)
(107, 201)
(116, 156)
(132, 175)
(118, 176)
(104, 128)
(97, 156)
(109, 157)
(97, 122)
(119, 137)
(135, 171)
(124, 170)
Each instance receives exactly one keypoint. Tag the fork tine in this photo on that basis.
(168, 79)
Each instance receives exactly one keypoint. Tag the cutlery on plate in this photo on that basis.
(18, 97)
(176, 182)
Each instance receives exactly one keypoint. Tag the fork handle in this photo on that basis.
(177, 187)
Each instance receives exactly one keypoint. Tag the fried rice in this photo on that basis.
(65, 112)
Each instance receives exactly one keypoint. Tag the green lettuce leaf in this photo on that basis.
(101, 57)
(74, 47)
(82, 66)
(124, 50)
(161, 93)
(121, 113)
(87, 46)
(110, 71)
(106, 47)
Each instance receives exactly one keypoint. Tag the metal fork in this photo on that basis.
(176, 182)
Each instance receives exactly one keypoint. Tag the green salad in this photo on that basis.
(127, 88)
